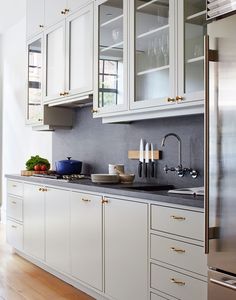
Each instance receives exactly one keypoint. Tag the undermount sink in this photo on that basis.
(151, 188)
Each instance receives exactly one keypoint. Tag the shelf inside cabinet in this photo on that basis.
(197, 18)
(148, 6)
(114, 20)
(153, 70)
(195, 59)
(153, 31)
(112, 47)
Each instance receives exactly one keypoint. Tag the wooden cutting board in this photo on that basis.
(30, 173)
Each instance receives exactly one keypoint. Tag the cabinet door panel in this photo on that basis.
(126, 261)
(86, 238)
(14, 234)
(80, 51)
(55, 62)
(34, 221)
(111, 54)
(57, 220)
(152, 55)
(35, 17)
(192, 28)
(53, 9)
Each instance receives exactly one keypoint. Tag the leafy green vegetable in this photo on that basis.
(36, 160)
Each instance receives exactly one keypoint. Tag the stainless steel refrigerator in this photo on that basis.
(220, 146)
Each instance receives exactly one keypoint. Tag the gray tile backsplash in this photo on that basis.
(98, 144)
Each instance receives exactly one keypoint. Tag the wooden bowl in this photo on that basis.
(126, 178)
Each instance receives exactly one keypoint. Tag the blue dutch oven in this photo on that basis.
(68, 166)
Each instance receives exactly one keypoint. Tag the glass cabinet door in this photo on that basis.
(152, 60)
(34, 94)
(111, 59)
(191, 45)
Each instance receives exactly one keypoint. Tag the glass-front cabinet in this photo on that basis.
(34, 112)
(152, 52)
(192, 28)
(111, 55)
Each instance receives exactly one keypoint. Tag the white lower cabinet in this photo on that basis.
(57, 228)
(125, 246)
(86, 238)
(33, 208)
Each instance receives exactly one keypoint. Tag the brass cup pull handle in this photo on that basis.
(94, 111)
(13, 226)
(178, 282)
(177, 250)
(171, 100)
(62, 94)
(44, 190)
(13, 202)
(179, 98)
(14, 185)
(178, 218)
(41, 26)
(86, 200)
(40, 189)
(66, 93)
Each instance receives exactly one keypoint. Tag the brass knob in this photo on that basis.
(44, 190)
(179, 98)
(178, 282)
(62, 94)
(65, 11)
(178, 218)
(66, 93)
(40, 120)
(94, 111)
(104, 200)
(40, 189)
(177, 250)
(41, 26)
(171, 100)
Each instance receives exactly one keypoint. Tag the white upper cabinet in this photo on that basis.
(111, 54)
(69, 58)
(152, 60)
(35, 17)
(74, 4)
(55, 61)
(192, 28)
(55, 11)
(79, 29)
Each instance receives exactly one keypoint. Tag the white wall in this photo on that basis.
(19, 142)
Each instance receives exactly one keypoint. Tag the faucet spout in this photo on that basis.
(179, 145)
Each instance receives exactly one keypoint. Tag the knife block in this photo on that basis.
(133, 154)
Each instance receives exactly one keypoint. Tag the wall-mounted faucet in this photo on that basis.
(179, 169)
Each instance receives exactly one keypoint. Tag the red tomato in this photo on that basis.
(43, 168)
(37, 167)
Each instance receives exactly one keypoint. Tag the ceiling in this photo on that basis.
(11, 12)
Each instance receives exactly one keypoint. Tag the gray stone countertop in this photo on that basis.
(117, 189)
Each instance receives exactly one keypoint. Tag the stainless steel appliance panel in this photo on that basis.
(222, 146)
(221, 286)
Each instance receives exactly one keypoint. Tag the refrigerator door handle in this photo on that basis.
(206, 144)
(230, 284)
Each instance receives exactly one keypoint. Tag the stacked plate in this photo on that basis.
(105, 178)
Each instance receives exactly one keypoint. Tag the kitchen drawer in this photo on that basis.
(15, 188)
(14, 208)
(179, 254)
(178, 221)
(14, 232)
(177, 284)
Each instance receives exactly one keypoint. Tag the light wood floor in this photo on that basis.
(21, 280)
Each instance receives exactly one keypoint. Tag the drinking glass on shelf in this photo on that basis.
(165, 48)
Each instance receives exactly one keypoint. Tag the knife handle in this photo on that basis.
(146, 170)
(140, 169)
(153, 169)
